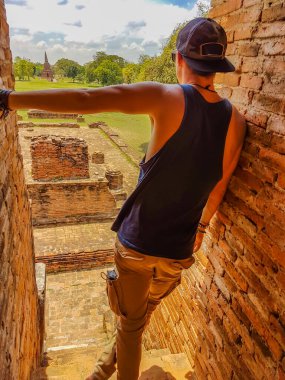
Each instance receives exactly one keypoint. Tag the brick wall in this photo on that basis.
(19, 326)
(228, 314)
(39, 114)
(67, 202)
(57, 157)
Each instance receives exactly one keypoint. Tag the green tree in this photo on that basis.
(23, 68)
(89, 69)
(101, 56)
(67, 68)
(130, 72)
(108, 73)
(38, 68)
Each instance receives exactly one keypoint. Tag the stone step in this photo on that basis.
(78, 363)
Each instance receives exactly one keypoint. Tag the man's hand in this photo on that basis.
(198, 241)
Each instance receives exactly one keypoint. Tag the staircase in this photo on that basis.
(79, 323)
(78, 363)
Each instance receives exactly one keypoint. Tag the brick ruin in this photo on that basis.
(39, 114)
(19, 304)
(47, 71)
(228, 314)
(62, 190)
(57, 158)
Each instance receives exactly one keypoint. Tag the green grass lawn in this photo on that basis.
(134, 129)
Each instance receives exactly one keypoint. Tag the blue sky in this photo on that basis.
(76, 29)
(180, 3)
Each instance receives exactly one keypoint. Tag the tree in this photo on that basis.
(67, 68)
(89, 69)
(38, 68)
(23, 68)
(130, 72)
(203, 9)
(101, 56)
(108, 73)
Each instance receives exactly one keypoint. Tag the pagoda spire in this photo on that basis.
(47, 71)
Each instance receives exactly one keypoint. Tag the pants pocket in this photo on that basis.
(183, 264)
(171, 288)
(114, 296)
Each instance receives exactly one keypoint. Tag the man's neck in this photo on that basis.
(189, 78)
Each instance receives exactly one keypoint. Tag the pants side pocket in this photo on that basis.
(113, 293)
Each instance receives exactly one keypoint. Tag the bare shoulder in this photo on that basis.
(238, 125)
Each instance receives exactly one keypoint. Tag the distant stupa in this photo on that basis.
(47, 71)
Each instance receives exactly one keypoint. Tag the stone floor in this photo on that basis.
(77, 364)
(73, 238)
(77, 311)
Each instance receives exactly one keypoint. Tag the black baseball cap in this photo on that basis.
(203, 43)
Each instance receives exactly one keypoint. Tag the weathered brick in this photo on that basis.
(256, 117)
(244, 33)
(231, 79)
(249, 3)
(241, 95)
(269, 103)
(274, 65)
(258, 135)
(281, 180)
(275, 47)
(276, 123)
(272, 159)
(274, 85)
(252, 64)
(274, 252)
(225, 8)
(251, 81)
(275, 12)
(263, 172)
(249, 49)
(19, 313)
(275, 29)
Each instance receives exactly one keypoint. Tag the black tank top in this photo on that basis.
(160, 218)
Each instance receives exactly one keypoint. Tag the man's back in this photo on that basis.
(183, 164)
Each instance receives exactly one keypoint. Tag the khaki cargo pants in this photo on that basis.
(142, 283)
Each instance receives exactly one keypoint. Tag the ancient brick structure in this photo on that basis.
(228, 315)
(19, 323)
(115, 178)
(56, 157)
(71, 202)
(39, 114)
(47, 71)
(30, 124)
(98, 158)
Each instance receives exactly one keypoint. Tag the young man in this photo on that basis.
(196, 141)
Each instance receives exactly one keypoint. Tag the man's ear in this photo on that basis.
(179, 58)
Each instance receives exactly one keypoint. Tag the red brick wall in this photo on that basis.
(229, 314)
(19, 326)
(56, 157)
(69, 202)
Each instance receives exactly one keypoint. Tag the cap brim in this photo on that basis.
(219, 66)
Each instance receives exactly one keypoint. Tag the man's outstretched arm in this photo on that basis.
(139, 98)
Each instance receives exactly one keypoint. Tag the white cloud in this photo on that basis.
(125, 27)
(41, 44)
